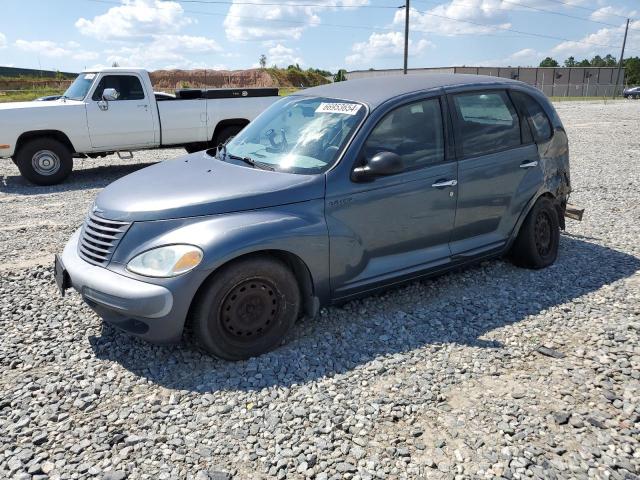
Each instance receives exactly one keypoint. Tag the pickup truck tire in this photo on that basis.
(537, 243)
(44, 161)
(225, 134)
(246, 308)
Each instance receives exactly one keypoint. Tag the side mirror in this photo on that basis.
(110, 94)
(382, 164)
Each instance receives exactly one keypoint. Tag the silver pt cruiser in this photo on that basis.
(333, 192)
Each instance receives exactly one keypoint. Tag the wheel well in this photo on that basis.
(230, 122)
(295, 263)
(56, 134)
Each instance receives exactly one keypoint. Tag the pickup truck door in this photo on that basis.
(127, 122)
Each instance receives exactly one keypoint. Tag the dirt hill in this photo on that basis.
(256, 77)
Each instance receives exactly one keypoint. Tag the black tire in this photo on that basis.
(246, 308)
(226, 134)
(44, 161)
(539, 237)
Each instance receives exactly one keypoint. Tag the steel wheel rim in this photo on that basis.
(45, 162)
(250, 310)
(543, 234)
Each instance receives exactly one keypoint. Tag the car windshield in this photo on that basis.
(80, 86)
(298, 134)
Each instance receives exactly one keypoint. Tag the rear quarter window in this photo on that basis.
(536, 116)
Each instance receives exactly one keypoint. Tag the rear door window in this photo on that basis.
(413, 131)
(128, 86)
(486, 122)
(536, 116)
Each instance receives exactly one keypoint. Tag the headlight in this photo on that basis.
(166, 261)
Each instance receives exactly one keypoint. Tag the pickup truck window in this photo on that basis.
(299, 134)
(128, 86)
(80, 86)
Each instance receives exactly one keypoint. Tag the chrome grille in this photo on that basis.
(99, 238)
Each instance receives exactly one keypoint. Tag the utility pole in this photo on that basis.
(406, 35)
(624, 42)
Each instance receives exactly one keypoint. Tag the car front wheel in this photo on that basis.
(537, 243)
(44, 161)
(246, 308)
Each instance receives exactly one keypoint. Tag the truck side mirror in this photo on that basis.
(108, 95)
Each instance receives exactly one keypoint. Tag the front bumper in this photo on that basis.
(143, 309)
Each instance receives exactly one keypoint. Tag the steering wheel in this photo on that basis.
(271, 136)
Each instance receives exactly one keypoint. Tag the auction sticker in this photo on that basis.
(346, 108)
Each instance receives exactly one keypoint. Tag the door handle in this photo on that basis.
(532, 164)
(445, 183)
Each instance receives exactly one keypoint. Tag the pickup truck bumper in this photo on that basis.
(143, 309)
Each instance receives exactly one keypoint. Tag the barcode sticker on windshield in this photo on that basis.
(346, 108)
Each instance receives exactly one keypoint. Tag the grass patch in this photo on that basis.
(27, 95)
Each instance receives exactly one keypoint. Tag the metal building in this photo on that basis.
(556, 82)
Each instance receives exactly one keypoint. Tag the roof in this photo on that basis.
(116, 70)
(376, 90)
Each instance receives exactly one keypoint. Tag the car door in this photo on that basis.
(498, 170)
(398, 225)
(123, 123)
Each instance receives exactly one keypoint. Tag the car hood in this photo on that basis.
(198, 184)
(33, 104)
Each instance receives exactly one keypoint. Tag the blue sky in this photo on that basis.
(71, 35)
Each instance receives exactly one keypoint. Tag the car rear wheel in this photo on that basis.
(44, 161)
(539, 238)
(246, 308)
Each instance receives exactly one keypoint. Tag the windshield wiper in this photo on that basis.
(251, 161)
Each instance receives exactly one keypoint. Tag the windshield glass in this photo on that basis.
(80, 86)
(299, 134)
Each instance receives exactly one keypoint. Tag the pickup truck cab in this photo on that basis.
(333, 192)
(116, 110)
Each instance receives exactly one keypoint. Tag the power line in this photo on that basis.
(508, 29)
(365, 27)
(588, 9)
(541, 10)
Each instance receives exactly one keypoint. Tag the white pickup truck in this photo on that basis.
(116, 110)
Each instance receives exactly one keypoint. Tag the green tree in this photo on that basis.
(341, 76)
(632, 70)
(115, 64)
(584, 63)
(610, 60)
(598, 61)
(570, 62)
(262, 61)
(549, 62)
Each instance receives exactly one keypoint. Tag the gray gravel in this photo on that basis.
(442, 378)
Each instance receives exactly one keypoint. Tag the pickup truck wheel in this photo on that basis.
(539, 238)
(44, 161)
(226, 134)
(247, 308)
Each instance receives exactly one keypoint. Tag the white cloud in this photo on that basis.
(604, 41)
(276, 22)
(451, 18)
(47, 48)
(282, 56)
(3, 40)
(383, 45)
(527, 57)
(611, 13)
(135, 18)
(164, 51)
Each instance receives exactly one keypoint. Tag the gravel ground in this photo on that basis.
(442, 378)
